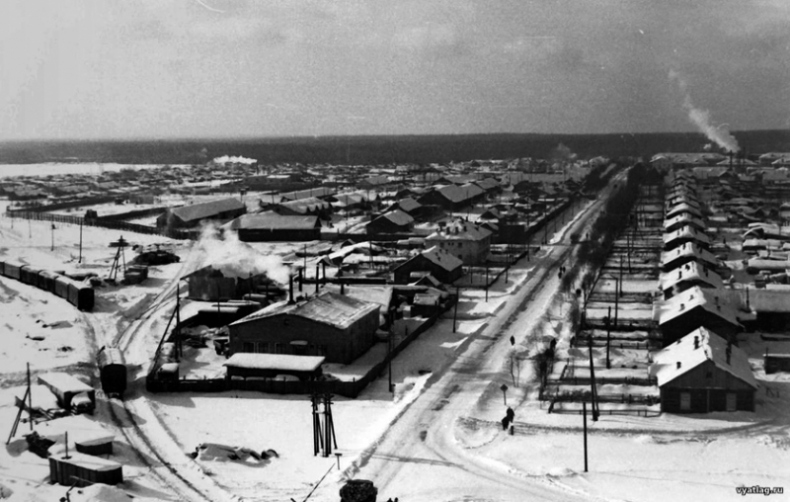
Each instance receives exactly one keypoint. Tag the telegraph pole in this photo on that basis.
(80, 260)
(584, 421)
(455, 311)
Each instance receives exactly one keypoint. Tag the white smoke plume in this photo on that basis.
(222, 250)
(234, 159)
(701, 118)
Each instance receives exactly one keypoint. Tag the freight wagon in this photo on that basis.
(112, 370)
(12, 270)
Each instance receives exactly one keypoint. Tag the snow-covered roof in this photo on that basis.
(683, 218)
(692, 271)
(271, 220)
(682, 207)
(684, 355)
(442, 258)
(339, 311)
(687, 232)
(709, 299)
(208, 209)
(397, 217)
(275, 362)
(688, 249)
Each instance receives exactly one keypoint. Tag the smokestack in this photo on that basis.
(291, 290)
(728, 352)
(301, 279)
(316, 278)
(342, 288)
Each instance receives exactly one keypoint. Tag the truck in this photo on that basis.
(72, 394)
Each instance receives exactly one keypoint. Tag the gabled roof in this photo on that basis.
(684, 355)
(208, 209)
(687, 232)
(692, 271)
(487, 184)
(690, 200)
(273, 221)
(689, 249)
(442, 258)
(397, 217)
(682, 207)
(339, 311)
(710, 300)
(683, 218)
(407, 204)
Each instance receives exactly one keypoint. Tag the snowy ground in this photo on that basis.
(668, 457)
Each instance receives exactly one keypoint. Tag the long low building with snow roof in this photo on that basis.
(336, 326)
(703, 372)
(686, 253)
(686, 276)
(695, 308)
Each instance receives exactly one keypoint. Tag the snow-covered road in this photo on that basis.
(420, 459)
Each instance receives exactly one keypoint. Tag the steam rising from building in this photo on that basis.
(701, 119)
(234, 258)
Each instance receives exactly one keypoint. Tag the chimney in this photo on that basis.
(696, 342)
(682, 306)
(678, 364)
(291, 290)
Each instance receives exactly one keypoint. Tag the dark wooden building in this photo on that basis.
(393, 222)
(270, 226)
(332, 325)
(194, 215)
(435, 261)
(702, 372)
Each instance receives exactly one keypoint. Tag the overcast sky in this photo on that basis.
(221, 68)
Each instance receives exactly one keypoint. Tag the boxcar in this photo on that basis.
(80, 296)
(112, 371)
(62, 287)
(11, 270)
(46, 281)
(29, 275)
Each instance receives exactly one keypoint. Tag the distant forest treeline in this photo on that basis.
(377, 149)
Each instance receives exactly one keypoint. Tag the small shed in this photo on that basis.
(82, 470)
(247, 365)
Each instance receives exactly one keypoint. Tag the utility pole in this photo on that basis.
(486, 281)
(592, 377)
(455, 311)
(608, 337)
(584, 421)
(80, 260)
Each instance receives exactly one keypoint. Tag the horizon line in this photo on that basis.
(352, 136)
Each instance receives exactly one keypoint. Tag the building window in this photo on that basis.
(708, 374)
(248, 347)
(279, 348)
(262, 348)
(322, 350)
(685, 401)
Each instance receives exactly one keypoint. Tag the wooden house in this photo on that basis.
(702, 372)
